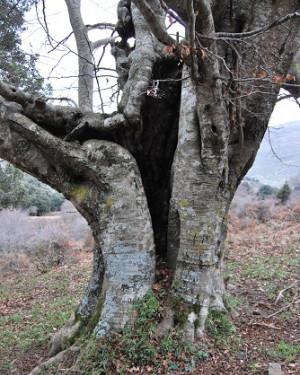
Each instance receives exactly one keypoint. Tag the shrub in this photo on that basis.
(46, 241)
(284, 193)
(14, 232)
(41, 239)
(76, 226)
(265, 191)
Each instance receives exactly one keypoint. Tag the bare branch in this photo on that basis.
(278, 21)
(61, 42)
(264, 325)
(281, 293)
(275, 154)
(101, 26)
(283, 308)
(64, 99)
(45, 25)
(86, 68)
(103, 42)
(191, 39)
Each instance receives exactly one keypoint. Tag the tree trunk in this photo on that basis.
(164, 169)
(103, 182)
(197, 228)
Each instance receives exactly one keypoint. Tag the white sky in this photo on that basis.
(61, 65)
(285, 111)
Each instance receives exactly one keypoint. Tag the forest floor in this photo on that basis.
(262, 259)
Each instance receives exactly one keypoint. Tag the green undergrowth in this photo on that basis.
(137, 349)
(218, 325)
(286, 351)
(33, 306)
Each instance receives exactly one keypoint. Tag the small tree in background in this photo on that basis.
(284, 193)
(18, 190)
(11, 189)
(16, 66)
(265, 191)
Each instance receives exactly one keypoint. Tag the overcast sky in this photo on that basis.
(61, 65)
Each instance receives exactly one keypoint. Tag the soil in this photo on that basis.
(261, 260)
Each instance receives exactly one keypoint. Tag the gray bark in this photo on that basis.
(85, 48)
(85, 57)
(102, 180)
(167, 164)
(197, 229)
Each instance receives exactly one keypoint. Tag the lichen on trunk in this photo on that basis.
(197, 221)
(157, 177)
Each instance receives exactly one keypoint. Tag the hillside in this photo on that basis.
(281, 142)
(261, 275)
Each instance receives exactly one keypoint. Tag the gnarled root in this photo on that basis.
(63, 338)
(54, 360)
(191, 318)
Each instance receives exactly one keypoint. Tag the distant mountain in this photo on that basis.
(280, 142)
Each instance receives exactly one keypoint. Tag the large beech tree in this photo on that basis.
(156, 178)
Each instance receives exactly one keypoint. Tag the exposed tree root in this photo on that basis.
(61, 340)
(54, 360)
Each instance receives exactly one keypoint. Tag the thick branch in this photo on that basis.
(62, 121)
(141, 62)
(152, 20)
(85, 58)
(72, 157)
(55, 118)
(207, 26)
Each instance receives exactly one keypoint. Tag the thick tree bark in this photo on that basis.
(197, 229)
(103, 182)
(176, 150)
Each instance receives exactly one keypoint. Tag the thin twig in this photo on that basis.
(264, 325)
(283, 308)
(280, 294)
(275, 154)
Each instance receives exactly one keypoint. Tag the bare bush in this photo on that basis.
(77, 226)
(262, 211)
(14, 232)
(46, 241)
(290, 212)
(14, 262)
(242, 199)
(41, 239)
(47, 248)
(296, 211)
